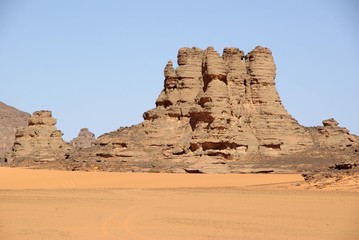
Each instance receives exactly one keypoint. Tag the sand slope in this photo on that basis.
(42, 204)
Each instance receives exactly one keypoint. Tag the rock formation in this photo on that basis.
(39, 141)
(219, 105)
(10, 119)
(334, 137)
(213, 108)
(85, 139)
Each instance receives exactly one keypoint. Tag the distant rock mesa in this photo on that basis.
(85, 139)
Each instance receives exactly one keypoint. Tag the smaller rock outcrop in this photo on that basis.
(10, 119)
(331, 122)
(334, 137)
(85, 139)
(40, 140)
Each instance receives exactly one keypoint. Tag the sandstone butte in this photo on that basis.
(212, 106)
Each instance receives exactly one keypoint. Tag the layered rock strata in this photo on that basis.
(10, 120)
(40, 140)
(218, 105)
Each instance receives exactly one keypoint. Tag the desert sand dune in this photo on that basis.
(43, 204)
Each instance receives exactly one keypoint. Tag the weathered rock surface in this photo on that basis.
(10, 119)
(221, 106)
(40, 141)
(85, 139)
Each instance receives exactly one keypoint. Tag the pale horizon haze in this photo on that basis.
(99, 64)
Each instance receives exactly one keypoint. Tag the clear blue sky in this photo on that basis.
(99, 64)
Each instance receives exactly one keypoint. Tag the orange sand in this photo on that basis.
(44, 204)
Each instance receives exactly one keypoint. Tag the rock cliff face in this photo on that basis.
(219, 105)
(40, 140)
(85, 139)
(10, 119)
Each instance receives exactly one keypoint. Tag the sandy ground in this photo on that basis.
(44, 204)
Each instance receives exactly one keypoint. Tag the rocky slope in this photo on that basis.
(10, 119)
